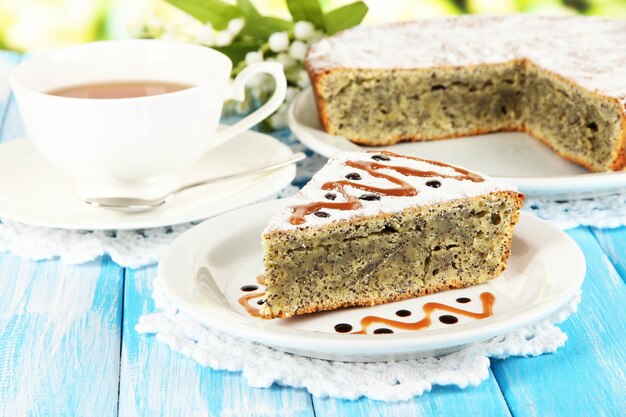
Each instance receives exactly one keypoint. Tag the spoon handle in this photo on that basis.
(245, 173)
(130, 204)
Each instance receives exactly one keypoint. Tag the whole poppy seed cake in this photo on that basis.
(559, 78)
(371, 228)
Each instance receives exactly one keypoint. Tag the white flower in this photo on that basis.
(283, 109)
(190, 29)
(292, 92)
(279, 42)
(243, 107)
(303, 79)
(285, 60)
(255, 92)
(317, 36)
(257, 81)
(229, 107)
(206, 34)
(297, 50)
(278, 120)
(265, 82)
(235, 26)
(223, 38)
(303, 30)
(253, 57)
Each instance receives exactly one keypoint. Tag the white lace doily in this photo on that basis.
(262, 366)
(143, 247)
(604, 212)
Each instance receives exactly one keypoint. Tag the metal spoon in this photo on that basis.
(141, 204)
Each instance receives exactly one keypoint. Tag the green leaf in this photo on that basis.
(344, 17)
(237, 51)
(216, 12)
(258, 26)
(264, 26)
(309, 10)
(248, 8)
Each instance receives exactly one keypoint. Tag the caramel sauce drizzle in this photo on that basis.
(404, 189)
(244, 301)
(464, 174)
(487, 299)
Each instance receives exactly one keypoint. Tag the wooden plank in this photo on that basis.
(59, 337)
(587, 377)
(613, 243)
(60, 326)
(155, 381)
(484, 400)
(8, 60)
(12, 128)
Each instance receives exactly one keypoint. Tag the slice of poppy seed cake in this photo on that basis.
(376, 227)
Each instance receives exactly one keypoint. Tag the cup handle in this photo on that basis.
(237, 91)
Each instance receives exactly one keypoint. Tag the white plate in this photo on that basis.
(514, 157)
(33, 192)
(545, 270)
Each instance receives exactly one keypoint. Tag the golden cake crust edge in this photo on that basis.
(619, 162)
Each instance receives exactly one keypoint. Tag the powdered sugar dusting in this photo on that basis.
(586, 50)
(336, 169)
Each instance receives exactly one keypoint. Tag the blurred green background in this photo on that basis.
(27, 25)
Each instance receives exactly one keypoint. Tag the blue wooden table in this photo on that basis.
(68, 347)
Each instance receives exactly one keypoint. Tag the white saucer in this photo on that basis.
(515, 157)
(33, 192)
(545, 270)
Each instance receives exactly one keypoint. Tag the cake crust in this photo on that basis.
(619, 161)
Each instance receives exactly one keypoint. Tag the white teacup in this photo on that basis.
(133, 144)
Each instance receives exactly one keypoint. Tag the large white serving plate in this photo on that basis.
(34, 192)
(513, 157)
(203, 272)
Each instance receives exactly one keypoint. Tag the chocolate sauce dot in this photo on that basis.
(403, 313)
(343, 328)
(353, 176)
(381, 158)
(383, 330)
(370, 197)
(448, 319)
(433, 184)
(261, 302)
(330, 196)
(321, 214)
(248, 288)
(463, 300)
